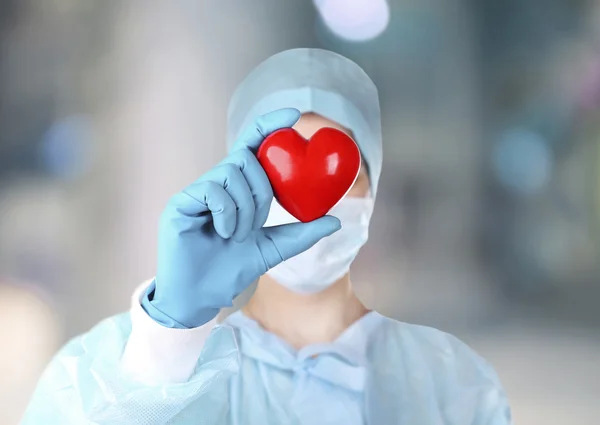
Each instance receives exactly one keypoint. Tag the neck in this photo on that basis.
(304, 319)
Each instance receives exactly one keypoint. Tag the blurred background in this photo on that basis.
(487, 222)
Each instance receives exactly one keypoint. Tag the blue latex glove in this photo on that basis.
(211, 243)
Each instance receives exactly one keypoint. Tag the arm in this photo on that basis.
(155, 354)
(95, 378)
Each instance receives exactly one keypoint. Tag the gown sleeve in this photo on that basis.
(126, 371)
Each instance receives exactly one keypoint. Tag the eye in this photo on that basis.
(361, 178)
(362, 173)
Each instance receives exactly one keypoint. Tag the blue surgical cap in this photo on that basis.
(318, 81)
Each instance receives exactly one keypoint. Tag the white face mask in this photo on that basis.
(329, 259)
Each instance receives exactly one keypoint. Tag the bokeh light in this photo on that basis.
(522, 161)
(65, 149)
(355, 20)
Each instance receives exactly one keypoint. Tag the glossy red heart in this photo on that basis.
(309, 176)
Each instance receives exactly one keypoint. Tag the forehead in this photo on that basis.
(310, 123)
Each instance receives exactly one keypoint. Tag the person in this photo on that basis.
(304, 350)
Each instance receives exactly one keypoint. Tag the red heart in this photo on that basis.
(309, 176)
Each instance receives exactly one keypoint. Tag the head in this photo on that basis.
(330, 91)
(327, 88)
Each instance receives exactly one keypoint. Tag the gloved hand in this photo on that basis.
(211, 243)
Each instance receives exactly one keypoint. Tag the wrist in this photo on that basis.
(170, 315)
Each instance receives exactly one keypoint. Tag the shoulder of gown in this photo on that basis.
(436, 367)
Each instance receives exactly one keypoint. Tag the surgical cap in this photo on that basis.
(318, 81)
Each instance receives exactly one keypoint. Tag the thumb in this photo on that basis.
(295, 238)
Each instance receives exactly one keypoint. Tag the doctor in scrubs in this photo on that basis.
(304, 350)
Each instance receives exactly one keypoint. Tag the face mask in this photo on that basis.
(329, 259)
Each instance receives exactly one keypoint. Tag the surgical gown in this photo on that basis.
(379, 371)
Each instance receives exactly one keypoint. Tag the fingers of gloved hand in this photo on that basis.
(217, 200)
(257, 180)
(234, 182)
(264, 125)
(182, 204)
(295, 238)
